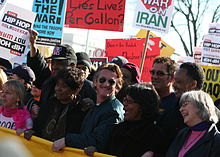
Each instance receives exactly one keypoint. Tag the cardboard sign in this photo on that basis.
(95, 14)
(154, 15)
(97, 61)
(132, 50)
(14, 35)
(212, 81)
(49, 21)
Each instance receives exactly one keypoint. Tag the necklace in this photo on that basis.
(185, 146)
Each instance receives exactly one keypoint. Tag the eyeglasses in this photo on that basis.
(185, 103)
(128, 101)
(158, 73)
(111, 81)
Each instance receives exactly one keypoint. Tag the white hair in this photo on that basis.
(207, 111)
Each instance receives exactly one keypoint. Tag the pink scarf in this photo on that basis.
(18, 115)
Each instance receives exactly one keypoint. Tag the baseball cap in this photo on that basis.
(24, 72)
(5, 63)
(135, 71)
(119, 60)
(83, 59)
(62, 52)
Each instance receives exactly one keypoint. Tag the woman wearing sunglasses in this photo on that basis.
(201, 137)
(98, 123)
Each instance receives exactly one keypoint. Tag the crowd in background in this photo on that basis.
(64, 99)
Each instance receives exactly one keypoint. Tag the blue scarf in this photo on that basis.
(201, 126)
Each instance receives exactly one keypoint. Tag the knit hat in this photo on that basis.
(5, 63)
(119, 60)
(135, 71)
(61, 52)
(24, 72)
(83, 59)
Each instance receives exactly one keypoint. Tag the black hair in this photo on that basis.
(73, 77)
(145, 95)
(195, 72)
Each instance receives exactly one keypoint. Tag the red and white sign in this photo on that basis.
(132, 50)
(95, 14)
(154, 15)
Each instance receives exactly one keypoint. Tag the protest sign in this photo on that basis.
(49, 21)
(214, 29)
(95, 14)
(211, 51)
(165, 49)
(14, 35)
(2, 3)
(212, 81)
(97, 61)
(197, 54)
(132, 50)
(153, 15)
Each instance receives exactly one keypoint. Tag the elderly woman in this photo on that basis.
(201, 137)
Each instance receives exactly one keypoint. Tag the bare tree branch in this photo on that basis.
(192, 14)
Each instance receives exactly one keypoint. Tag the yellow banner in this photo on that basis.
(212, 81)
(42, 148)
(165, 49)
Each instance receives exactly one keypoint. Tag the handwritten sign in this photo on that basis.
(49, 21)
(14, 35)
(95, 14)
(154, 15)
(132, 50)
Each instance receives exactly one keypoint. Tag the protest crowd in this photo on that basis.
(114, 113)
(110, 109)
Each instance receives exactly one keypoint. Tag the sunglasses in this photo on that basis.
(158, 73)
(111, 81)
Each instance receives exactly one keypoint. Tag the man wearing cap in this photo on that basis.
(83, 62)
(5, 64)
(131, 75)
(63, 57)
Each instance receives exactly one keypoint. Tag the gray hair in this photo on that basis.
(206, 108)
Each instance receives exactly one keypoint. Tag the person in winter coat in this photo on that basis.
(201, 137)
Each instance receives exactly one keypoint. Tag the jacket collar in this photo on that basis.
(207, 136)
